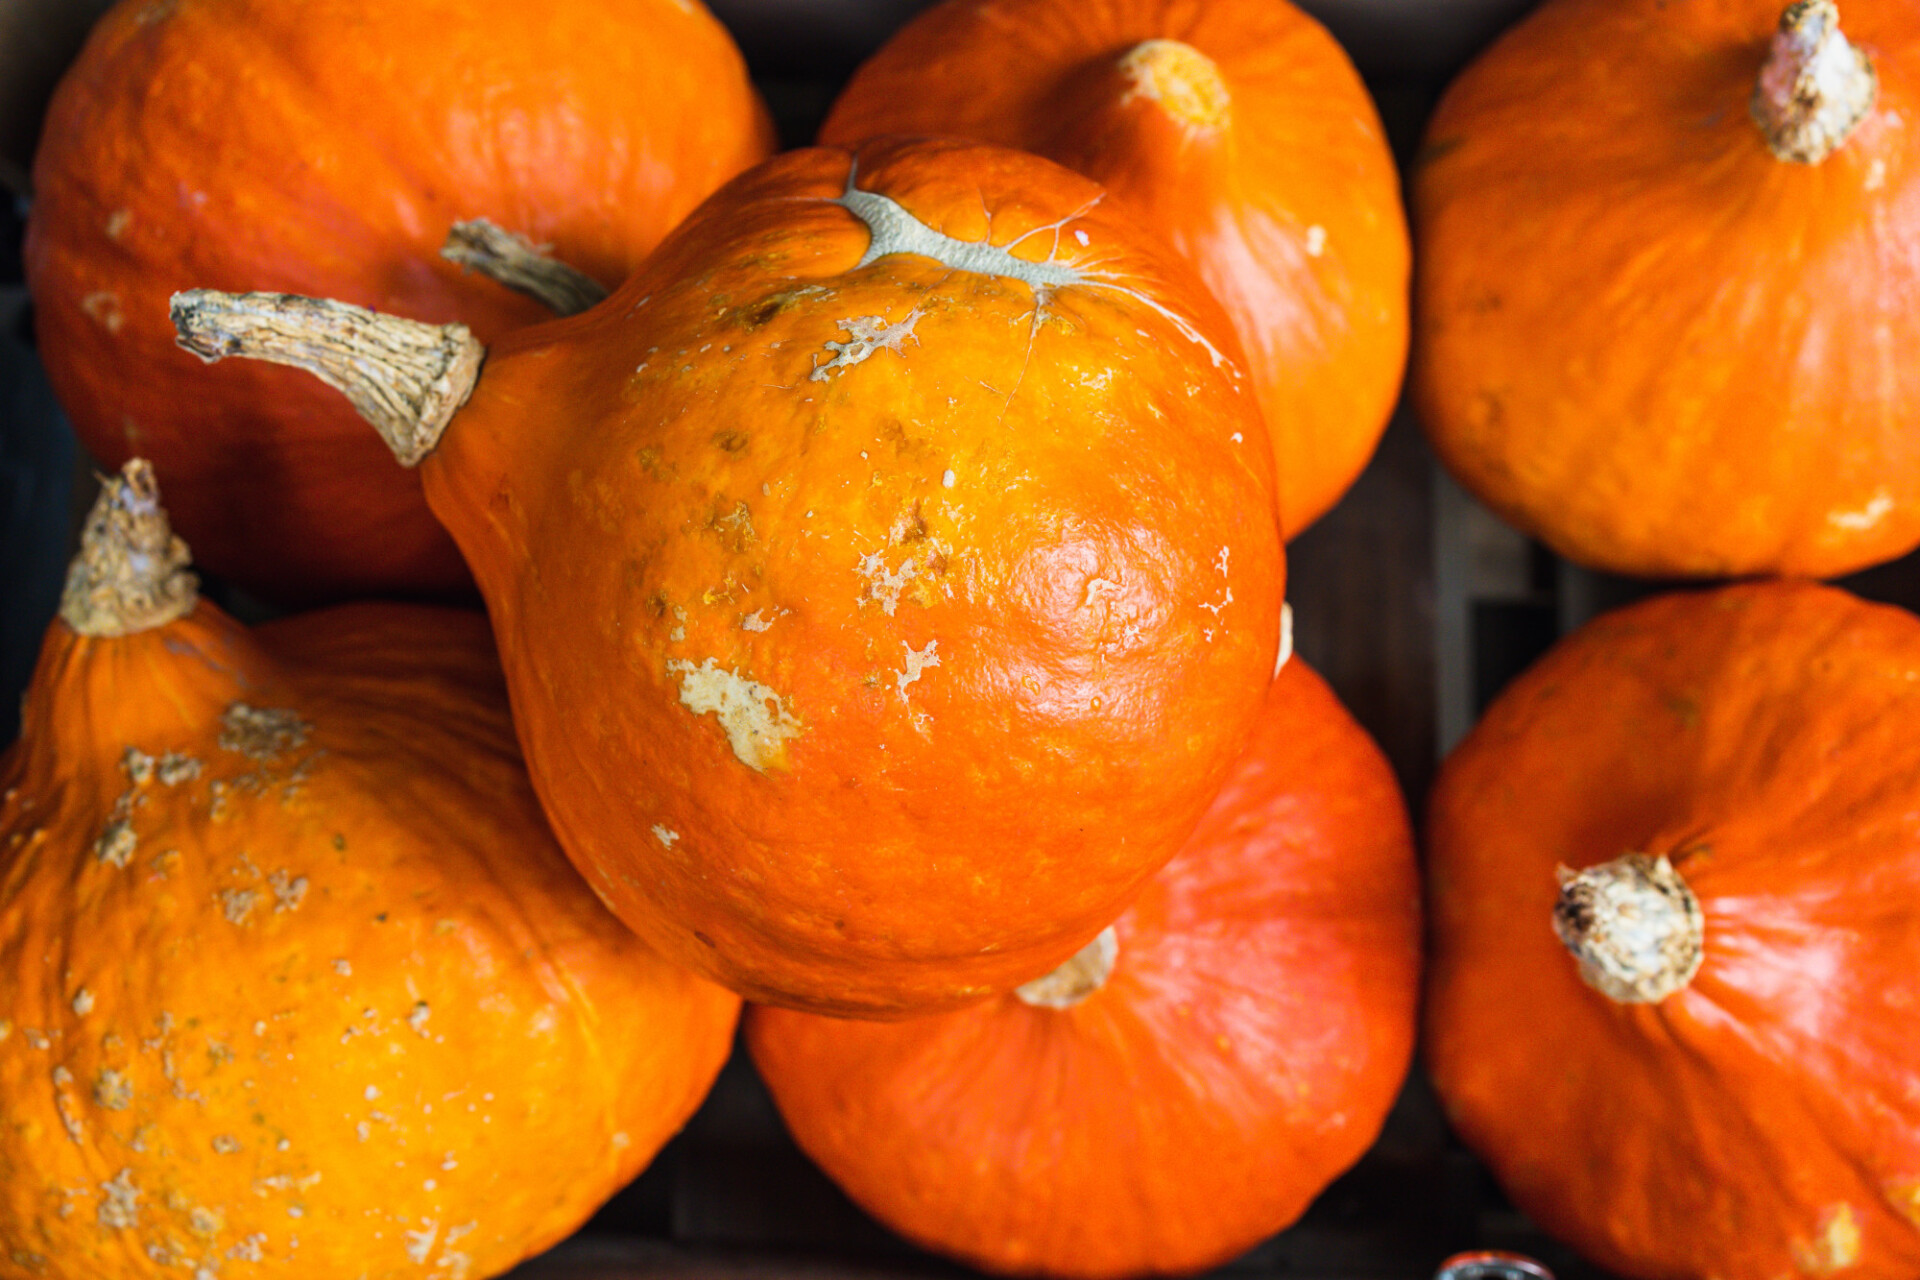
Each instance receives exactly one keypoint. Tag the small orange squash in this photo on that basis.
(298, 983)
(324, 147)
(1188, 1084)
(1673, 873)
(1241, 132)
(886, 576)
(1666, 261)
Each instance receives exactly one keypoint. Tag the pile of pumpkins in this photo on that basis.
(881, 546)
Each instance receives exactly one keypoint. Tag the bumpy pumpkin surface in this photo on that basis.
(1705, 801)
(1665, 265)
(298, 982)
(1162, 1105)
(886, 576)
(1238, 131)
(325, 148)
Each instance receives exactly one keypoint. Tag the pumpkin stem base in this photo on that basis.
(406, 378)
(1633, 925)
(1082, 975)
(521, 265)
(131, 574)
(1815, 86)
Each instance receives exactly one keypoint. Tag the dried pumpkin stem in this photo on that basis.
(1085, 973)
(1815, 86)
(1633, 925)
(131, 574)
(406, 378)
(522, 266)
(1185, 82)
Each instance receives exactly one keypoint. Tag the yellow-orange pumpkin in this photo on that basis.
(1239, 131)
(1666, 261)
(886, 576)
(1673, 873)
(1186, 1086)
(298, 983)
(324, 147)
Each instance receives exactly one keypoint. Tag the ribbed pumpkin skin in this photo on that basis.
(342, 1009)
(1290, 211)
(1763, 1121)
(325, 149)
(1642, 338)
(1245, 1049)
(881, 686)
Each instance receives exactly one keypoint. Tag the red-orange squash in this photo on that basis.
(298, 983)
(1704, 805)
(1666, 261)
(1186, 1086)
(324, 148)
(1240, 131)
(886, 575)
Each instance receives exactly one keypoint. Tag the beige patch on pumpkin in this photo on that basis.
(753, 716)
(261, 733)
(1835, 1245)
(103, 308)
(113, 1090)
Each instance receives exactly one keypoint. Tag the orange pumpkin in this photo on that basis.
(886, 575)
(324, 148)
(298, 982)
(1239, 131)
(1703, 805)
(1187, 1085)
(1665, 267)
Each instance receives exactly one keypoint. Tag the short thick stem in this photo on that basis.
(520, 265)
(1183, 81)
(1815, 86)
(1150, 124)
(1078, 978)
(1633, 925)
(131, 574)
(406, 378)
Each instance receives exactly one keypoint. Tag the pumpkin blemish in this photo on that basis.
(755, 719)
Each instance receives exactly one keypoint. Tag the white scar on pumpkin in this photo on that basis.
(917, 662)
(1865, 517)
(869, 335)
(754, 717)
(883, 584)
(892, 229)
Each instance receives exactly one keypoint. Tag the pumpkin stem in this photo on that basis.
(1181, 79)
(1633, 925)
(1082, 975)
(1814, 88)
(406, 378)
(131, 574)
(520, 265)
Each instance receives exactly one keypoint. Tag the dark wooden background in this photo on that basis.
(1415, 603)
